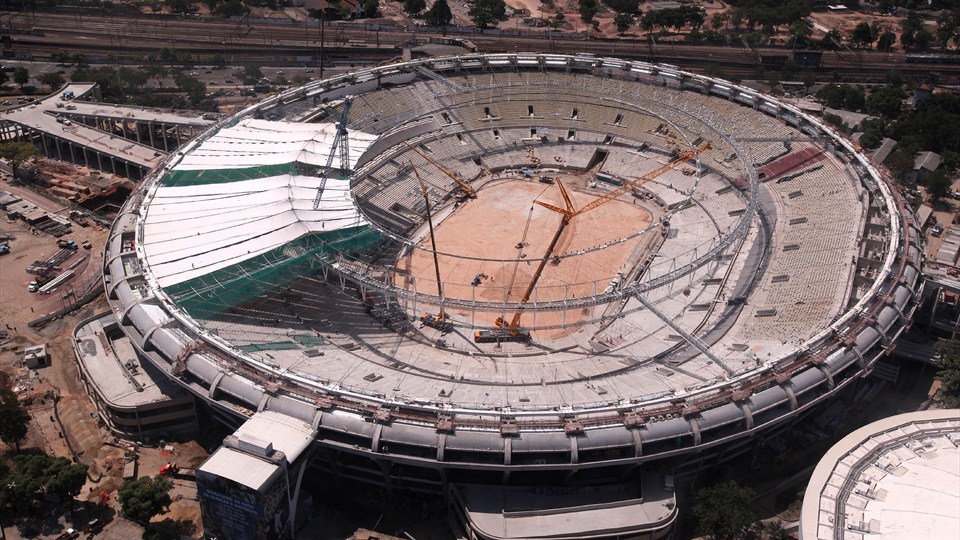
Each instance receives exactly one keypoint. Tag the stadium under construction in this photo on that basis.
(540, 285)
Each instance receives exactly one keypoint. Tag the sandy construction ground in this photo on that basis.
(503, 216)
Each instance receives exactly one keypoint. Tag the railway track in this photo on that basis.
(274, 43)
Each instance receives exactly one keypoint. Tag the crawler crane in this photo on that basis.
(440, 321)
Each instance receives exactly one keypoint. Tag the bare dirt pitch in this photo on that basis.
(481, 237)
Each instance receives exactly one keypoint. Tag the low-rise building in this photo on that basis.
(133, 398)
(35, 356)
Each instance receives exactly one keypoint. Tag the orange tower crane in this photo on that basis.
(510, 331)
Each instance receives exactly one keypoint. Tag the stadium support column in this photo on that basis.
(150, 129)
(385, 467)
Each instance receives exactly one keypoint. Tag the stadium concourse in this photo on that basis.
(632, 272)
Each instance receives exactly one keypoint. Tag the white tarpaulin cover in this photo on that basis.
(213, 211)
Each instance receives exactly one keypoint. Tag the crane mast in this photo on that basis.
(340, 145)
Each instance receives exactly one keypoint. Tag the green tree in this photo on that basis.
(588, 9)
(16, 153)
(720, 20)
(723, 510)
(129, 78)
(809, 79)
(842, 96)
(775, 531)
(35, 475)
(948, 27)
(863, 35)
(195, 89)
(885, 101)
(915, 34)
(938, 185)
(65, 479)
(53, 80)
(251, 74)
(13, 417)
(156, 72)
(21, 76)
(486, 13)
(623, 22)
(414, 7)
(439, 14)
(218, 61)
(233, 8)
(948, 372)
(886, 41)
(145, 497)
(372, 8)
(800, 31)
(624, 6)
(900, 162)
(179, 6)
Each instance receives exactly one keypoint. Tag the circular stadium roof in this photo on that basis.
(272, 264)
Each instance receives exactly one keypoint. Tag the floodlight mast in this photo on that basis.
(340, 145)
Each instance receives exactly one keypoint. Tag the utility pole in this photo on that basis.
(323, 17)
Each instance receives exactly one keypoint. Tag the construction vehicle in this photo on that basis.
(468, 191)
(439, 321)
(170, 469)
(511, 330)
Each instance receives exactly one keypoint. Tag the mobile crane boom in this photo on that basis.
(467, 189)
(438, 321)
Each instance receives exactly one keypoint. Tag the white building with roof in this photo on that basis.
(897, 478)
(249, 487)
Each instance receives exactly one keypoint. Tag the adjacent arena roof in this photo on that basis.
(896, 478)
(719, 298)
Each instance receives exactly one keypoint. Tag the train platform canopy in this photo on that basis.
(242, 200)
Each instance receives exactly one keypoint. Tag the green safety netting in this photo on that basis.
(209, 295)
